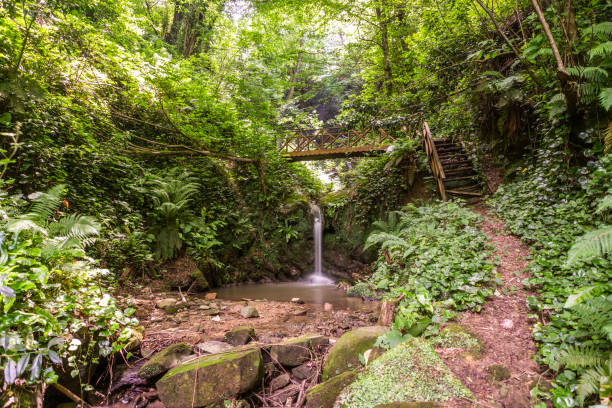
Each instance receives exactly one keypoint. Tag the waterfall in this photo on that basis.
(318, 238)
(317, 276)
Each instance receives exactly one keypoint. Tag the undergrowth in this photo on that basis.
(551, 207)
(435, 259)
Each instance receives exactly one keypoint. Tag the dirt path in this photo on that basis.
(503, 330)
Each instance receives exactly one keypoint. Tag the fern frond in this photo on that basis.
(593, 244)
(384, 240)
(605, 98)
(24, 223)
(75, 226)
(604, 29)
(601, 50)
(589, 382)
(605, 204)
(46, 203)
(574, 357)
(594, 74)
(608, 138)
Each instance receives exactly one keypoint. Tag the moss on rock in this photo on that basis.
(410, 405)
(165, 360)
(458, 336)
(344, 355)
(324, 395)
(296, 351)
(410, 372)
(498, 372)
(211, 379)
(239, 336)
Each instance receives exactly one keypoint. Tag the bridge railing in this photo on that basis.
(333, 138)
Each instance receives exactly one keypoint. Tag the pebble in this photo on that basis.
(507, 324)
(328, 307)
(210, 296)
(297, 300)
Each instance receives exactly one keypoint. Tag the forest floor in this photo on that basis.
(502, 328)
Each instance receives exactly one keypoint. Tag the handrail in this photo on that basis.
(434, 159)
(333, 138)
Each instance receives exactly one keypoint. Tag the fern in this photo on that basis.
(604, 29)
(385, 240)
(601, 50)
(605, 98)
(593, 244)
(589, 383)
(605, 204)
(75, 227)
(608, 138)
(575, 357)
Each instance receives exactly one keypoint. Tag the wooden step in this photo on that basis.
(458, 170)
(448, 149)
(459, 178)
(442, 140)
(453, 155)
(465, 192)
(453, 161)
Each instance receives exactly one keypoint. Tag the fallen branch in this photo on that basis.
(71, 395)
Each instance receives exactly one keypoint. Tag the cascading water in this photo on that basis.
(317, 276)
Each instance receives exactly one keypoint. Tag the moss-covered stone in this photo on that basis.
(458, 336)
(410, 405)
(498, 372)
(209, 380)
(295, 351)
(325, 394)
(344, 355)
(165, 360)
(410, 372)
(201, 283)
(239, 335)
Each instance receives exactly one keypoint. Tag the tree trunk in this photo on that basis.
(177, 21)
(296, 72)
(385, 48)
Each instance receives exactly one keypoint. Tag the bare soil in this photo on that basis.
(502, 328)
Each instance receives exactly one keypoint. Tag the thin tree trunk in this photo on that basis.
(385, 49)
(296, 71)
(553, 44)
(24, 44)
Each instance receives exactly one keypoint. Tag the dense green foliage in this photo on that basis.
(53, 305)
(162, 120)
(435, 258)
(551, 210)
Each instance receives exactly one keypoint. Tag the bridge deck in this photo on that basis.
(334, 143)
(339, 153)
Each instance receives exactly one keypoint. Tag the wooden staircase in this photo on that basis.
(452, 168)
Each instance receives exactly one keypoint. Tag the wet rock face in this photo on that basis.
(296, 351)
(219, 377)
(239, 336)
(344, 355)
(325, 394)
(165, 360)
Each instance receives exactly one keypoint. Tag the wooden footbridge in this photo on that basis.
(334, 143)
(450, 164)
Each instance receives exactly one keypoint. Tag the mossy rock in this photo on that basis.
(344, 355)
(165, 360)
(211, 379)
(498, 372)
(239, 336)
(410, 372)
(324, 395)
(201, 283)
(296, 351)
(410, 405)
(459, 336)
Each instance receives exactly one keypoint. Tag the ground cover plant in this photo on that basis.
(564, 222)
(435, 259)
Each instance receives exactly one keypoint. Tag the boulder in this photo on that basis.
(409, 372)
(165, 360)
(279, 382)
(249, 312)
(325, 394)
(296, 351)
(219, 377)
(239, 336)
(344, 355)
(212, 347)
(304, 371)
(165, 303)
